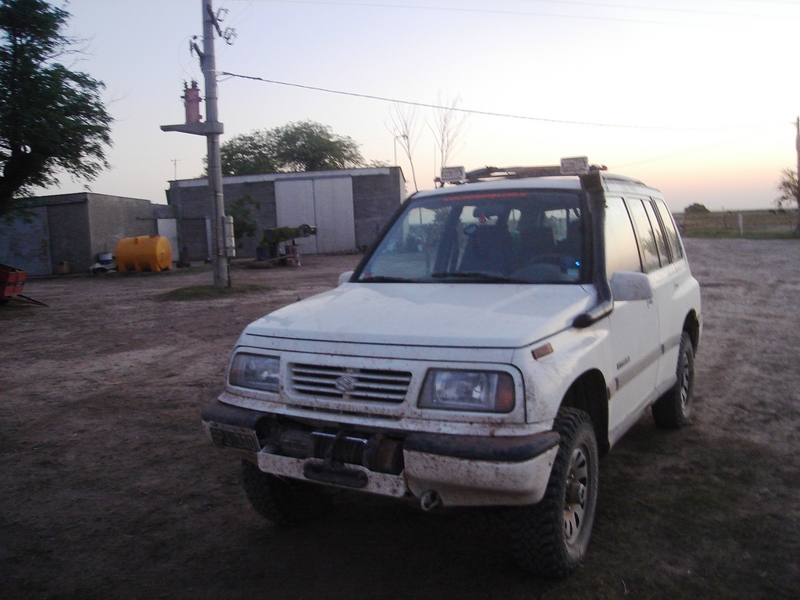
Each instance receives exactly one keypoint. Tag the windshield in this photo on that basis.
(513, 236)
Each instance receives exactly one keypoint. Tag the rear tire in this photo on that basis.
(284, 501)
(550, 538)
(673, 409)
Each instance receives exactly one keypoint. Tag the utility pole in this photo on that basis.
(222, 230)
(209, 64)
(797, 143)
(797, 148)
(797, 176)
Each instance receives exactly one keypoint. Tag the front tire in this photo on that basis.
(284, 501)
(550, 538)
(673, 409)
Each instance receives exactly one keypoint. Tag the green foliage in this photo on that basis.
(696, 208)
(790, 194)
(309, 146)
(278, 234)
(244, 223)
(249, 154)
(377, 164)
(51, 118)
(788, 187)
(301, 146)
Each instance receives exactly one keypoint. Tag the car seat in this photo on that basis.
(488, 250)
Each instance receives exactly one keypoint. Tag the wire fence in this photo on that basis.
(777, 223)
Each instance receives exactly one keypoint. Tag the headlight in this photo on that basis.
(256, 372)
(479, 391)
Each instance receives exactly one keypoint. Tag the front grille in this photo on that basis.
(371, 385)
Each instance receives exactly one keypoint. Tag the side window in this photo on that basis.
(644, 233)
(621, 251)
(557, 221)
(661, 240)
(513, 221)
(672, 233)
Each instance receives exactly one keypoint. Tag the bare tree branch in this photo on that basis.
(449, 128)
(790, 193)
(406, 130)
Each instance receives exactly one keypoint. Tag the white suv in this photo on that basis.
(499, 337)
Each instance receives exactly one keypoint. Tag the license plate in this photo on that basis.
(228, 436)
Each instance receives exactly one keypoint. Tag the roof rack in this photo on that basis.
(488, 173)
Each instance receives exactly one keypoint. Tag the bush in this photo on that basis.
(696, 208)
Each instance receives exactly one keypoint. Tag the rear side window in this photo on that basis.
(621, 251)
(658, 233)
(674, 240)
(645, 235)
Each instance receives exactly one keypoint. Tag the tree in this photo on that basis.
(696, 208)
(406, 130)
(301, 146)
(249, 154)
(790, 193)
(52, 119)
(449, 128)
(310, 146)
(244, 221)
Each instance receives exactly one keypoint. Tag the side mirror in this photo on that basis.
(345, 277)
(629, 285)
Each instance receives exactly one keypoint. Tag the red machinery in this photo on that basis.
(12, 281)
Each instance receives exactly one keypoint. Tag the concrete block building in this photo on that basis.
(68, 231)
(347, 206)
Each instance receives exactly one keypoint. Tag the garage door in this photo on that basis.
(326, 203)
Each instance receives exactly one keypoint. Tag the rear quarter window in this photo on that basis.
(673, 239)
(622, 254)
(645, 235)
(658, 234)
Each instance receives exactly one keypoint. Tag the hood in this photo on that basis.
(458, 314)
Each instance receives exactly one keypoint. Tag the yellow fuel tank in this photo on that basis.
(143, 253)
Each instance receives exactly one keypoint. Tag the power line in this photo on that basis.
(485, 113)
(522, 13)
(672, 9)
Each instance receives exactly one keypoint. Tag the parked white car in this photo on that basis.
(498, 338)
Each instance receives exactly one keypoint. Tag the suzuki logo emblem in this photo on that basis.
(345, 384)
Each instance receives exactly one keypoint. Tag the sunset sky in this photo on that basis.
(697, 98)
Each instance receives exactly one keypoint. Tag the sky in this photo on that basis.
(696, 98)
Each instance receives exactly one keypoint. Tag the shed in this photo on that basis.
(70, 230)
(347, 206)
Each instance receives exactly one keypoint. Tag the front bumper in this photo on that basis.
(460, 470)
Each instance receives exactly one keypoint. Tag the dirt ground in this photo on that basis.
(110, 489)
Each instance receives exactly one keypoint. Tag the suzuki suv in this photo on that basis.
(499, 337)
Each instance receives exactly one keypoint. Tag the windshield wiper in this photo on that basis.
(384, 279)
(476, 275)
